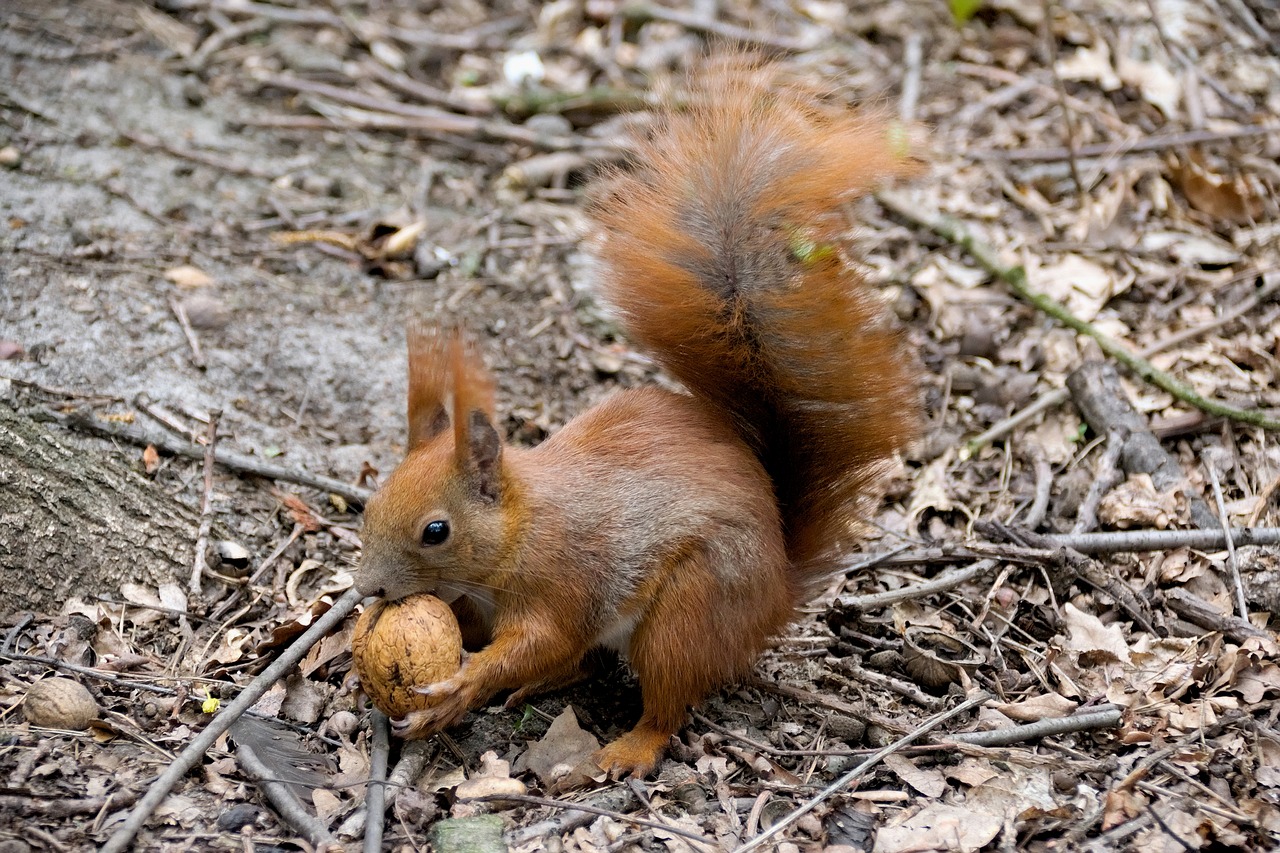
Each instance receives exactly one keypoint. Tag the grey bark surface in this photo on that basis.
(77, 522)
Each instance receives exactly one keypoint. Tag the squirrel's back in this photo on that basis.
(722, 249)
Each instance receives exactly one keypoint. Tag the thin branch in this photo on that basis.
(375, 799)
(1126, 146)
(1241, 604)
(1099, 719)
(1016, 278)
(849, 778)
(206, 504)
(286, 803)
(194, 752)
(583, 807)
(140, 436)
(641, 13)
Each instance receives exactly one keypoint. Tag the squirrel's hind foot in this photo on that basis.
(635, 754)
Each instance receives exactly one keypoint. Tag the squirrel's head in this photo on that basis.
(436, 524)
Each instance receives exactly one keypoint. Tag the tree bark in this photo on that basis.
(75, 522)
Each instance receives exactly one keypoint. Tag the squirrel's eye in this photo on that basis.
(435, 532)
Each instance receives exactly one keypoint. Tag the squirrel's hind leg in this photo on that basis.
(696, 643)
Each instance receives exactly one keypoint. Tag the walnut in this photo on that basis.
(399, 645)
(60, 703)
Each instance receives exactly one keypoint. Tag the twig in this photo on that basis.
(1070, 562)
(228, 166)
(1109, 542)
(912, 59)
(63, 808)
(1241, 604)
(766, 748)
(282, 797)
(643, 12)
(1047, 400)
(1052, 398)
(1044, 484)
(1097, 392)
(848, 778)
(197, 357)
(941, 583)
(1204, 615)
(1257, 298)
(194, 752)
(1100, 719)
(1016, 278)
(583, 807)
(637, 788)
(206, 504)
(614, 800)
(381, 113)
(142, 437)
(423, 92)
(375, 798)
(1129, 146)
(1068, 116)
(1105, 478)
(1113, 542)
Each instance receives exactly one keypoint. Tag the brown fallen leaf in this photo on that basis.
(150, 459)
(562, 759)
(188, 276)
(1235, 199)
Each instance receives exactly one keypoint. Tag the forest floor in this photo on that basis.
(234, 206)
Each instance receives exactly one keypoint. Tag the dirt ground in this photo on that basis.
(237, 206)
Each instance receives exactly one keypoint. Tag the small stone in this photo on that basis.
(10, 157)
(238, 817)
(343, 723)
(206, 312)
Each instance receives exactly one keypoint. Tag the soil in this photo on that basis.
(186, 228)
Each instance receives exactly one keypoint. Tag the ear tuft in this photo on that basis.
(429, 381)
(477, 445)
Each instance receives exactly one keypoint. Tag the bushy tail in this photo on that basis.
(722, 249)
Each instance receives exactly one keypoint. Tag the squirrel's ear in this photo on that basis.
(477, 445)
(428, 383)
(484, 457)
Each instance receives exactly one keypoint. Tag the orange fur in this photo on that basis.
(682, 529)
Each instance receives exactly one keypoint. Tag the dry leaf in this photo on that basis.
(929, 782)
(562, 759)
(188, 276)
(150, 459)
(1080, 284)
(1237, 200)
(1044, 707)
(493, 777)
(940, 826)
(1136, 503)
(1091, 639)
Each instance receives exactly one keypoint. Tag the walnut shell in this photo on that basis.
(402, 644)
(60, 703)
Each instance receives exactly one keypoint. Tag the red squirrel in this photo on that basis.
(682, 529)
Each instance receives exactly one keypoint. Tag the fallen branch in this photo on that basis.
(375, 798)
(1016, 277)
(853, 775)
(286, 803)
(1126, 146)
(1117, 542)
(1104, 718)
(141, 437)
(1096, 391)
(123, 837)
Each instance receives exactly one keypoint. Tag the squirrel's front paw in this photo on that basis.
(449, 704)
